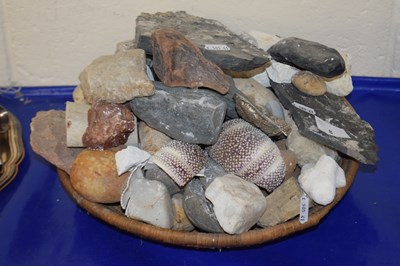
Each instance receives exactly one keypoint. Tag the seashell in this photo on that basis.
(180, 160)
(246, 151)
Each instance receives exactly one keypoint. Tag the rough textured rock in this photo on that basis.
(271, 125)
(153, 172)
(125, 46)
(238, 204)
(116, 78)
(234, 54)
(193, 116)
(261, 39)
(109, 125)
(179, 62)
(76, 119)
(151, 140)
(48, 139)
(148, 201)
(312, 56)
(309, 83)
(78, 96)
(283, 204)
(331, 121)
(181, 221)
(320, 180)
(307, 150)
(343, 84)
(94, 176)
(263, 98)
(199, 209)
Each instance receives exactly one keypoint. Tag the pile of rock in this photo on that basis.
(164, 129)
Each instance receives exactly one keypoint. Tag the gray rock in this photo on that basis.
(241, 56)
(153, 172)
(308, 55)
(198, 209)
(212, 171)
(329, 120)
(188, 115)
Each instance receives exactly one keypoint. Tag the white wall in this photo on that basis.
(49, 42)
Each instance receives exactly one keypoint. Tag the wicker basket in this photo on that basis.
(113, 215)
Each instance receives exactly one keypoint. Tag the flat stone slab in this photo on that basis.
(188, 115)
(217, 43)
(329, 120)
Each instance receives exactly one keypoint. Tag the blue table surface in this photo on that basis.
(41, 225)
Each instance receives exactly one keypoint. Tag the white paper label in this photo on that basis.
(304, 108)
(303, 217)
(217, 47)
(330, 129)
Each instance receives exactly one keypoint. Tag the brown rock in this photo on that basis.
(48, 139)
(151, 140)
(309, 83)
(181, 221)
(116, 78)
(109, 125)
(179, 62)
(290, 161)
(94, 176)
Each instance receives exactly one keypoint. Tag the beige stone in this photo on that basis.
(309, 83)
(151, 140)
(76, 121)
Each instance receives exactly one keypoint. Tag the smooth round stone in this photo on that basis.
(198, 209)
(309, 83)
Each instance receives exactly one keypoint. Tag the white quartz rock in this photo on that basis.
(281, 73)
(148, 201)
(130, 158)
(238, 204)
(342, 85)
(306, 150)
(320, 180)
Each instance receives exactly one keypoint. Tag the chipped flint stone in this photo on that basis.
(178, 62)
(116, 78)
(269, 124)
(242, 56)
(188, 115)
(283, 203)
(320, 180)
(76, 120)
(153, 172)
(148, 201)
(238, 204)
(130, 158)
(334, 110)
(312, 56)
(262, 97)
(281, 73)
(198, 209)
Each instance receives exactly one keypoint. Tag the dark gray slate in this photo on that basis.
(153, 172)
(315, 57)
(198, 209)
(334, 110)
(242, 55)
(188, 115)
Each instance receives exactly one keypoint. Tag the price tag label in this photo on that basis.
(303, 217)
(304, 108)
(217, 47)
(330, 129)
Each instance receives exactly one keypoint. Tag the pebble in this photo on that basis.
(309, 83)
(188, 115)
(199, 209)
(308, 55)
(343, 84)
(321, 179)
(153, 172)
(238, 204)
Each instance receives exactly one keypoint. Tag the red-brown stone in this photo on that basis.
(177, 61)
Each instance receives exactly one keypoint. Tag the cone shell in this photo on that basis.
(181, 160)
(246, 151)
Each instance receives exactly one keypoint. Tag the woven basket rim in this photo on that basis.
(109, 215)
